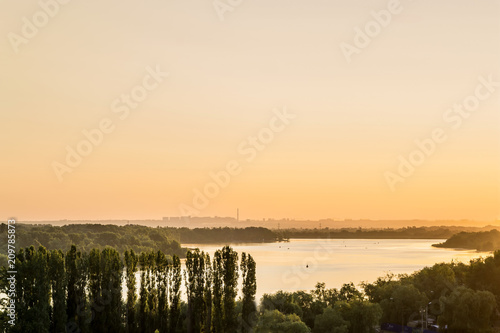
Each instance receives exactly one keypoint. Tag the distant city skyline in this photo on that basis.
(277, 223)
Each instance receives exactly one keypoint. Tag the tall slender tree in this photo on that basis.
(195, 286)
(174, 293)
(162, 286)
(130, 269)
(77, 279)
(83, 308)
(217, 294)
(33, 291)
(71, 278)
(230, 290)
(22, 289)
(249, 288)
(143, 295)
(42, 290)
(207, 293)
(111, 289)
(95, 293)
(58, 285)
(77, 310)
(152, 291)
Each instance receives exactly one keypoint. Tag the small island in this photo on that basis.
(481, 241)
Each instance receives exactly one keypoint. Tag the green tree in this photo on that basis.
(207, 293)
(282, 301)
(249, 288)
(467, 311)
(131, 261)
(349, 292)
(310, 304)
(404, 301)
(434, 281)
(217, 294)
(111, 289)
(277, 322)
(58, 284)
(32, 291)
(143, 295)
(162, 268)
(330, 321)
(152, 298)
(195, 286)
(77, 307)
(95, 295)
(42, 290)
(362, 316)
(380, 289)
(230, 289)
(174, 293)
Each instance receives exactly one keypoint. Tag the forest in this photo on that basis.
(104, 291)
(169, 239)
(481, 241)
(83, 292)
(94, 236)
(223, 235)
(129, 237)
(386, 233)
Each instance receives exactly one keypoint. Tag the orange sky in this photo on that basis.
(350, 117)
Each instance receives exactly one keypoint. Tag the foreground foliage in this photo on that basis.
(82, 292)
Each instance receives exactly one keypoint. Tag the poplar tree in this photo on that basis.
(111, 290)
(249, 288)
(77, 311)
(32, 291)
(143, 295)
(230, 290)
(217, 284)
(95, 293)
(152, 291)
(207, 293)
(195, 286)
(58, 285)
(162, 286)
(174, 293)
(131, 268)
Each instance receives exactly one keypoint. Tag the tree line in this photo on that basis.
(481, 241)
(128, 237)
(82, 292)
(458, 297)
(87, 237)
(168, 239)
(374, 233)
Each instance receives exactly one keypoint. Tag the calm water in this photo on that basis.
(337, 261)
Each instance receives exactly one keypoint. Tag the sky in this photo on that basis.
(284, 109)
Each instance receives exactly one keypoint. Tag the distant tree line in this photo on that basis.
(129, 237)
(167, 239)
(82, 292)
(371, 233)
(223, 235)
(481, 241)
(95, 236)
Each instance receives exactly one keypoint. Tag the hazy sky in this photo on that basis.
(352, 119)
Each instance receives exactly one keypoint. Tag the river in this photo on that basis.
(301, 263)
